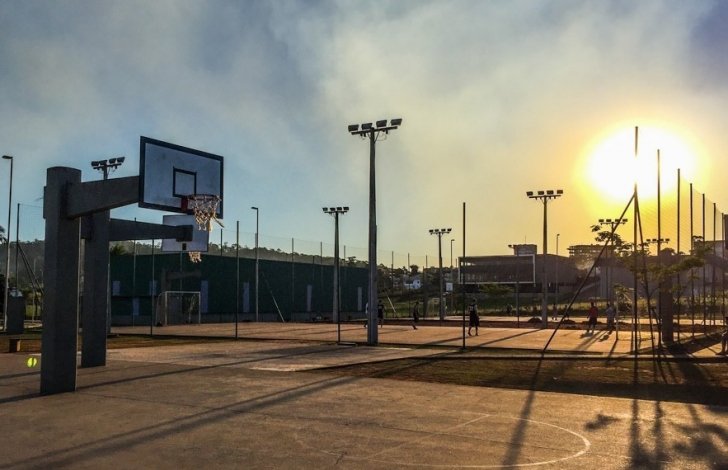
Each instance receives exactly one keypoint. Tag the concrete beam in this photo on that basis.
(124, 230)
(97, 196)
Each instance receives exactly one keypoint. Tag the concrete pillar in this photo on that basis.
(60, 317)
(95, 291)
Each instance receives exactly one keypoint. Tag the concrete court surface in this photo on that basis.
(565, 340)
(241, 405)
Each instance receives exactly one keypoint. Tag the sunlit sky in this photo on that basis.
(497, 97)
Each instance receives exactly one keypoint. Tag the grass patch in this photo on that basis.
(679, 381)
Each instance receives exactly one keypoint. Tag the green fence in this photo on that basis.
(288, 291)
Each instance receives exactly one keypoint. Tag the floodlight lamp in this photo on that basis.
(346, 209)
(325, 210)
(353, 127)
(339, 209)
(559, 191)
(540, 193)
(120, 160)
(366, 126)
(7, 157)
(396, 122)
(601, 221)
(529, 193)
(550, 192)
(112, 161)
(382, 123)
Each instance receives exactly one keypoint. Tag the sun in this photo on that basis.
(612, 168)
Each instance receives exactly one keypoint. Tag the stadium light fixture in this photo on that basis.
(336, 211)
(257, 265)
(440, 232)
(373, 134)
(545, 197)
(107, 166)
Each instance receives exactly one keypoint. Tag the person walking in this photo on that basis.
(593, 314)
(380, 313)
(724, 339)
(609, 312)
(474, 318)
(415, 315)
(555, 313)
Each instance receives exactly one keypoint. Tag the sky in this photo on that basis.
(497, 98)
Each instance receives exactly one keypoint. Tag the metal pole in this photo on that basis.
(237, 276)
(154, 303)
(544, 287)
(293, 278)
(462, 275)
(372, 332)
(257, 266)
(7, 246)
(634, 249)
(17, 244)
(442, 306)
(659, 253)
(337, 317)
(556, 288)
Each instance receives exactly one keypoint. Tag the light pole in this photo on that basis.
(545, 197)
(517, 252)
(106, 167)
(368, 130)
(256, 261)
(7, 246)
(612, 224)
(335, 211)
(440, 232)
(451, 240)
(556, 289)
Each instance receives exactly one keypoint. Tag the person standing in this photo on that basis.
(474, 318)
(609, 312)
(380, 313)
(593, 314)
(415, 315)
(555, 313)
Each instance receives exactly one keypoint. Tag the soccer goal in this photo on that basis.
(179, 308)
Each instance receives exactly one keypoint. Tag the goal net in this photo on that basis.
(179, 308)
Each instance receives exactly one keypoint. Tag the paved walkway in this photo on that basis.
(430, 333)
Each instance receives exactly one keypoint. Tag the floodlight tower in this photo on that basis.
(545, 197)
(612, 224)
(335, 211)
(7, 246)
(367, 130)
(107, 166)
(440, 232)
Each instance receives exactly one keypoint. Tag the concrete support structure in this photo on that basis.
(60, 318)
(66, 202)
(94, 315)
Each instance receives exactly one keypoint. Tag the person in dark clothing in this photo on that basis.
(415, 315)
(380, 313)
(474, 318)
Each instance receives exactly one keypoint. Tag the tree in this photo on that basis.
(414, 269)
(495, 291)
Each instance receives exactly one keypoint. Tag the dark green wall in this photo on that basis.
(283, 283)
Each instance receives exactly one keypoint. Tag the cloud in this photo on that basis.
(497, 98)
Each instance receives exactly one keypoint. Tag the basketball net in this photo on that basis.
(204, 207)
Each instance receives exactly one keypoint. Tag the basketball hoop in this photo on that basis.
(195, 256)
(204, 207)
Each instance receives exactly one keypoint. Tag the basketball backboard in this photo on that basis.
(200, 238)
(168, 173)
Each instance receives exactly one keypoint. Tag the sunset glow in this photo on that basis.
(612, 167)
